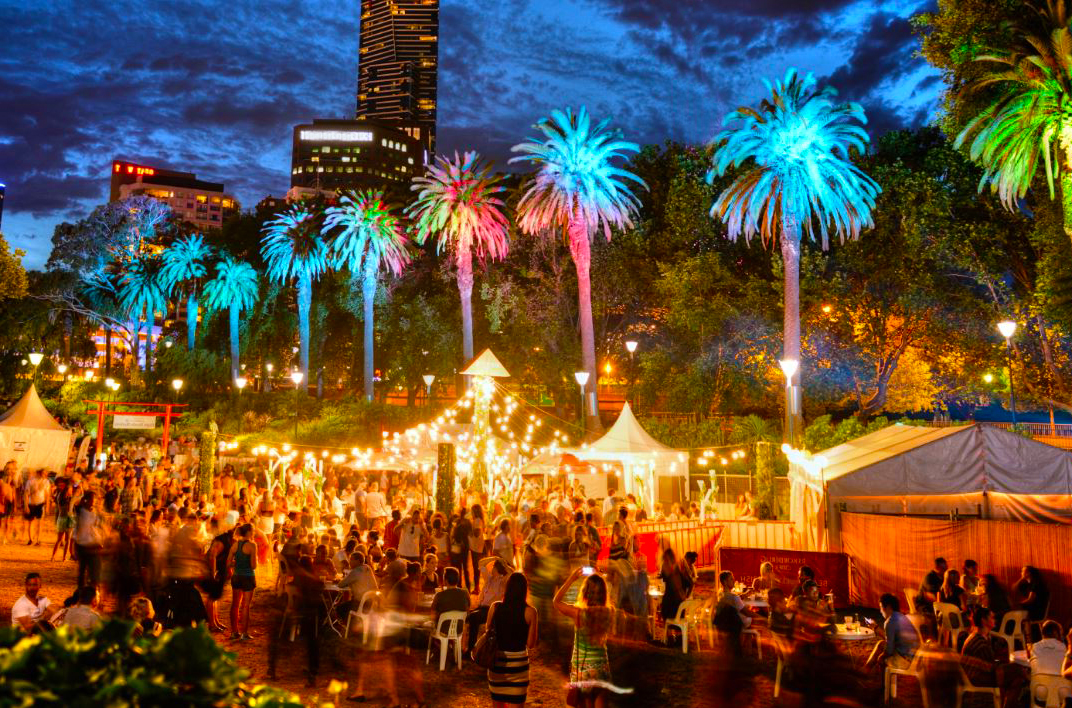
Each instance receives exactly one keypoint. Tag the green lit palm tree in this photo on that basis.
(293, 249)
(365, 237)
(457, 205)
(795, 178)
(142, 294)
(1031, 121)
(186, 261)
(578, 188)
(235, 288)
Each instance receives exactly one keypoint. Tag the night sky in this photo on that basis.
(216, 88)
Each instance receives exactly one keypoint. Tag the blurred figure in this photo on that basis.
(242, 564)
(84, 614)
(63, 499)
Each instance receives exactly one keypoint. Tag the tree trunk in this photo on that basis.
(465, 289)
(135, 348)
(149, 346)
(368, 294)
(305, 303)
(791, 318)
(233, 316)
(1066, 198)
(191, 321)
(582, 259)
(108, 351)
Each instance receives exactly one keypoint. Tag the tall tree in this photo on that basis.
(186, 262)
(365, 237)
(457, 206)
(293, 249)
(797, 148)
(578, 187)
(235, 288)
(142, 294)
(12, 275)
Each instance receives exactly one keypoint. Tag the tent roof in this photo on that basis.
(29, 412)
(487, 364)
(627, 435)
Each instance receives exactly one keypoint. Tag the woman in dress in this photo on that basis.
(593, 618)
(243, 564)
(516, 626)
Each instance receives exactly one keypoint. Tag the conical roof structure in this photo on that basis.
(487, 364)
(29, 412)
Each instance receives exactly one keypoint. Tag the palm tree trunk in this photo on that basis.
(582, 260)
(191, 321)
(233, 313)
(1066, 198)
(149, 345)
(791, 327)
(135, 368)
(465, 289)
(368, 292)
(108, 351)
(305, 303)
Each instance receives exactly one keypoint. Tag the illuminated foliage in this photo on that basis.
(234, 289)
(12, 274)
(185, 261)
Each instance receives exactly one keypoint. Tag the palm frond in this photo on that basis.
(292, 246)
(141, 287)
(185, 259)
(235, 283)
(365, 234)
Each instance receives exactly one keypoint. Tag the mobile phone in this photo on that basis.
(587, 570)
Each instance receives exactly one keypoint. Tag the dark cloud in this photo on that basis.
(883, 52)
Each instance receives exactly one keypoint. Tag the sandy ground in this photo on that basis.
(659, 676)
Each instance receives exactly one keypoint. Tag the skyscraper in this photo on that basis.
(398, 64)
(2, 190)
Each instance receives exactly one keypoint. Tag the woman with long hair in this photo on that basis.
(516, 632)
(476, 543)
(243, 564)
(950, 592)
(593, 618)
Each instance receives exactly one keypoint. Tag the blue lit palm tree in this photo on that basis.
(235, 288)
(578, 188)
(796, 175)
(365, 237)
(142, 294)
(186, 261)
(292, 248)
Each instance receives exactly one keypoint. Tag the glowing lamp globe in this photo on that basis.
(35, 358)
(241, 382)
(62, 368)
(581, 377)
(296, 377)
(428, 379)
(176, 384)
(1006, 327)
(269, 366)
(988, 378)
(789, 367)
(631, 346)
(109, 382)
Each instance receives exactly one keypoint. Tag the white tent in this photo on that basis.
(971, 470)
(32, 437)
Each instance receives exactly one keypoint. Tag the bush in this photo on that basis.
(823, 433)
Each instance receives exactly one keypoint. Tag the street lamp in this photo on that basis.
(429, 379)
(35, 359)
(582, 380)
(62, 368)
(177, 385)
(241, 382)
(631, 346)
(268, 378)
(790, 368)
(1007, 329)
(296, 377)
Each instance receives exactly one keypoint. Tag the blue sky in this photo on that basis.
(215, 88)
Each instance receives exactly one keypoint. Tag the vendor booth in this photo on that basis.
(971, 471)
(31, 437)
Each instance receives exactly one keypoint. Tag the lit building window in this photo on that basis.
(201, 198)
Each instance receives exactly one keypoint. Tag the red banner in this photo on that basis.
(831, 569)
(682, 537)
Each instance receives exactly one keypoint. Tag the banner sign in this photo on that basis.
(702, 538)
(831, 569)
(133, 422)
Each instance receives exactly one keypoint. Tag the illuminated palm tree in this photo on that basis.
(578, 188)
(457, 206)
(142, 293)
(186, 261)
(366, 236)
(292, 248)
(235, 288)
(1032, 118)
(795, 174)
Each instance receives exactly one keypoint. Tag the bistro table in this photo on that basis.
(858, 634)
(333, 595)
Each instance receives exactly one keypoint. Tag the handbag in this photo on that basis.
(485, 649)
(573, 696)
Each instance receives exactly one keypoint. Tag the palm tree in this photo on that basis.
(186, 261)
(577, 187)
(457, 205)
(367, 236)
(1032, 117)
(292, 248)
(235, 288)
(142, 293)
(795, 173)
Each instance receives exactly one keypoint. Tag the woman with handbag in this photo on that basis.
(510, 633)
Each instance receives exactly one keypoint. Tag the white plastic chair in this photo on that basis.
(783, 649)
(685, 618)
(910, 595)
(454, 623)
(754, 633)
(365, 613)
(914, 669)
(1049, 691)
(1012, 628)
(966, 686)
(951, 622)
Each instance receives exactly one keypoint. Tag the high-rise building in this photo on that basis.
(333, 155)
(202, 203)
(398, 65)
(3, 189)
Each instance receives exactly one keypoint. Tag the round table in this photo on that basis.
(755, 603)
(856, 635)
(1020, 657)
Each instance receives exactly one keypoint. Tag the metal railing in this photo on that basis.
(1056, 434)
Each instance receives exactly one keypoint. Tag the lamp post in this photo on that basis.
(296, 377)
(1008, 329)
(62, 368)
(792, 400)
(429, 379)
(631, 346)
(582, 380)
(268, 377)
(35, 359)
(177, 385)
(240, 383)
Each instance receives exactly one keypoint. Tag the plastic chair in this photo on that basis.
(455, 623)
(951, 622)
(783, 649)
(1049, 691)
(754, 633)
(1012, 628)
(364, 613)
(685, 618)
(914, 669)
(966, 686)
(910, 595)
(917, 621)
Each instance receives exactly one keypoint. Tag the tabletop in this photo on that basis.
(1020, 657)
(755, 602)
(855, 635)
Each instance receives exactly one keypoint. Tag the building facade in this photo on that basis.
(398, 64)
(333, 155)
(3, 190)
(203, 204)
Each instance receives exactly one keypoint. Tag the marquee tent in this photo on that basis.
(32, 437)
(971, 471)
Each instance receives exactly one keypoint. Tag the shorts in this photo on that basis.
(64, 523)
(246, 583)
(36, 511)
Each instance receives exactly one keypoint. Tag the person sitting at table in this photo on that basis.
(766, 580)
(726, 596)
(451, 598)
(929, 587)
(430, 573)
(951, 592)
(985, 658)
(780, 619)
(812, 608)
(1032, 594)
(1046, 656)
(323, 568)
(494, 587)
(357, 582)
(804, 574)
(969, 579)
(403, 595)
(341, 559)
(394, 568)
(992, 596)
(900, 641)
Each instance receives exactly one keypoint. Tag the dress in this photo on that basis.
(508, 678)
(589, 665)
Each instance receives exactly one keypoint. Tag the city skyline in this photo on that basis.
(224, 105)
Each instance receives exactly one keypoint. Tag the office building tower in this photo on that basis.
(203, 204)
(336, 155)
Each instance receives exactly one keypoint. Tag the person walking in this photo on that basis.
(243, 564)
(88, 541)
(516, 632)
(476, 543)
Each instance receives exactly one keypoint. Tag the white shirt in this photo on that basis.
(24, 607)
(1047, 657)
(504, 548)
(375, 505)
(36, 491)
(729, 598)
(409, 540)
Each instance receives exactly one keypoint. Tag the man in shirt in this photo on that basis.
(726, 597)
(130, 499)
(375, 506)
(804, 574)
(451, 598)
(410, 535)
(901, 639)
(84, 615)
(357, 582)
(35, 494)
(1047, 655)
(31, 608)
(610, 504)
(390, 533)
(394, 567)
(969, 579)
(928, 589)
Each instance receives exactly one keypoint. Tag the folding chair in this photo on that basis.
(364, 614)
(783, 649)
(951, 622)
(447, 630)
(910, 595)
(683, 620)
(1012, 628)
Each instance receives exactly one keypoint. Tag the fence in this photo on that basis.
(1056, 434)
(890, 553)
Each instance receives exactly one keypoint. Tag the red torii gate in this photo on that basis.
(102, 410)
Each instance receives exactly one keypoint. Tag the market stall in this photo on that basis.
(31, 437)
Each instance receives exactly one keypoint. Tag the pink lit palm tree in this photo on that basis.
(457, 205)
